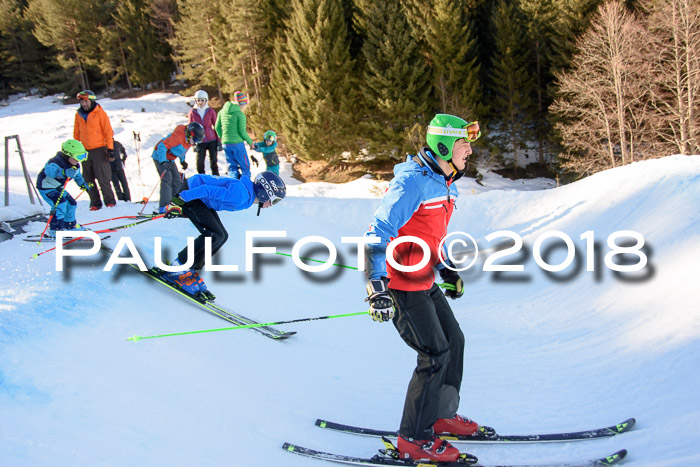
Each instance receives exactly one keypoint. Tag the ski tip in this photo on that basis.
(288, 447)
(321, 423)
(614, 458)
(625, 426)
(283, 336)
(135, 338)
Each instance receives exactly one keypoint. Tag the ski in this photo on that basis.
(214, 308)
(385, 458)
(605, 432)
(244, 321)
(35, 239)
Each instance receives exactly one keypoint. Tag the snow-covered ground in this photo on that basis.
(546, 352)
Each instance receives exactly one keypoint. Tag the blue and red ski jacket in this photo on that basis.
(419, 202)
(173, 146)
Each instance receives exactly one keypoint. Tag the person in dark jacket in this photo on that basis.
(116, 161)
(419, 203)
(200, 199)
(52, 180)
(206, 116)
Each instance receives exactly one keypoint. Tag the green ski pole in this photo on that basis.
(136, 338)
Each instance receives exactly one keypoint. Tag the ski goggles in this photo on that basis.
(80, 157)
(270, 138)
(86, 95)
(200, 101)
(471, 131)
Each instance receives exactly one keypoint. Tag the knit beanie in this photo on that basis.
(241, 97)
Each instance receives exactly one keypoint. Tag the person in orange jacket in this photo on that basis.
(92, 128)
(166, 152)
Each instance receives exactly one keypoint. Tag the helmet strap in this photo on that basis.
(260, 205)
(455, 170)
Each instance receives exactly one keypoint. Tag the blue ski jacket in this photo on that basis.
(220, 193)
(419, 202)
(56, 171)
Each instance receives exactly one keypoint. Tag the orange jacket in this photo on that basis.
(93, 128)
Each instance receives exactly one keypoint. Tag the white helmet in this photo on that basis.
(201, 95)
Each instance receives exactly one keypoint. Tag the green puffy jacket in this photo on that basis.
(231, 125)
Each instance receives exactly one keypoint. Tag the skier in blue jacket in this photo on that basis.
(52, 180)
(268, 150)
(202, 196)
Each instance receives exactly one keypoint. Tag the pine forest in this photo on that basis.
(575, 86)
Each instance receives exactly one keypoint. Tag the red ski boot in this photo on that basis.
(462, 426)
(431, 450)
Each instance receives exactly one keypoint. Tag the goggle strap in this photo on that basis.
(443, 131)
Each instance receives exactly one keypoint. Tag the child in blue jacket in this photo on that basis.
(52, 181)
(199, 201)
(268, 151)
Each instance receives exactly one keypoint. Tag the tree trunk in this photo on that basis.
(81, 72)
(126, 70)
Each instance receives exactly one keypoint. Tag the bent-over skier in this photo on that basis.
(202, 196)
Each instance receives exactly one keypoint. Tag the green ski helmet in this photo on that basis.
(444, 130)
(270, 135)
(75, 149)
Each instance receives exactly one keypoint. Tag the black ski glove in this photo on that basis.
(255, 161)
(219, 146)
(452, 283)
(184, 165)
(381, 305)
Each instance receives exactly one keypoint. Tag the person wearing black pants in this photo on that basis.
(427, 324)
(199, 200)
(206, 116)
(202, 148)
(208, 223)
(416, 209)
(116, 160)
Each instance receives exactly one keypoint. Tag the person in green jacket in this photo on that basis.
(231, 128)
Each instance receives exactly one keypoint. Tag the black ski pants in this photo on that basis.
(207, 221)
(427, 324)
(119, 178)
(96, 170)
(202, 149)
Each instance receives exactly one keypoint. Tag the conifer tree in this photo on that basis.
(572, 18)
(61, 24)
(396, 83)
(164, 15)
(539, 20)
(511, 82)
(147, 58)
(448, 40)
(313, 82)
(24, 62)
(243, 51)
(199, 44)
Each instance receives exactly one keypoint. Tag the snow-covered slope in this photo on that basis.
(545, 352)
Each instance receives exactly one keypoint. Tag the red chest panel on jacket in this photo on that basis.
(428, 223)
